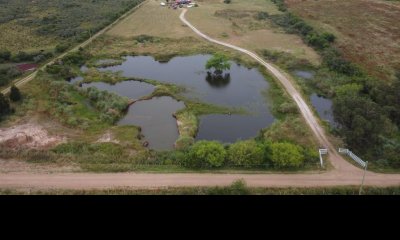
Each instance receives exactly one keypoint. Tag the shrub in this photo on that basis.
(109, 104)
(246, 153)
(281, 5)
(287, 155)
(317, 41)
(262, 15)
(15, 94)
(76, 58)
(329, 37)
(184, 142)
(144, 38)
(4, 105)
(62, 47)
(206, 154)
(227, 1)
(5, 55)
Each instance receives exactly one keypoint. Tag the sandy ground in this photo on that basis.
(16, 166)
(28, 135)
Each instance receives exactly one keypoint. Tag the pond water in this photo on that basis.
(324, 108)
(304, 74)
(131, 89)
(241, 88)
(75, 79)
(155, 117)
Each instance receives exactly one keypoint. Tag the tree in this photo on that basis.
(219, 63)
(361, 121)
(206, 154)
(4, 105)
(287, 155)
(227, 1)
(5, 55)
(246, 153)
(15, 94)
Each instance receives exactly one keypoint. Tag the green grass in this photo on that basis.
(42, 24)
(236, 188)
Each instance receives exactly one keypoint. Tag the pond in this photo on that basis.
(304, 74)
(131, 89)
(241, 88)
(155, 117)
(324, 108)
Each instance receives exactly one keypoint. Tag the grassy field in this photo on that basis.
(236, 188)
(154, 20)
(237, 23)
(27, 25)
(15, 37)
(368, 31)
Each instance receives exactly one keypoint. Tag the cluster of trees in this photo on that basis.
(5, 107)
(63, 69)
(9, 73)
(294, 24)
(219, 62)
(367, 110)
(247, 154)
(21, 56)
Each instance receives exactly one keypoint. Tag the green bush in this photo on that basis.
(262, 15)
(281, 5)
(15, 94)
(7, 74)
(76, 58)
(144, 38)
(206, 154)
(317, 41)
(4, 106)
(219, 63)
(62, 47)
(5, 55)
(109, 104)
(287, 155)
(246, 153)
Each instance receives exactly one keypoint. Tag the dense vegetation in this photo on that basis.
(5, 107)
(66, 22)
(247, 154)
(366, 109)
(64, 19)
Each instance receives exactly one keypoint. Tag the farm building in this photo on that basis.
(27, 67)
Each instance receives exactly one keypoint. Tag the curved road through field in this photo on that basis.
(337, 161)
(343, 174)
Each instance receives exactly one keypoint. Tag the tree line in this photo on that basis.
(366, 109)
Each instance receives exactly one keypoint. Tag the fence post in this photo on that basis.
(362, 183)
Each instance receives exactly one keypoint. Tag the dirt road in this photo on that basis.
(148, 180)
